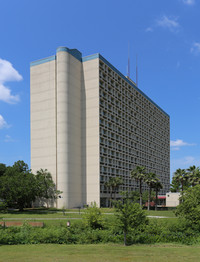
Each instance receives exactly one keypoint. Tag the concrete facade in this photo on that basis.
(172, 199)
(89, 123)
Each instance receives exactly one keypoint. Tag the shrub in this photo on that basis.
(79, 233)
(130, 217)
(93, 217)
(190, 206)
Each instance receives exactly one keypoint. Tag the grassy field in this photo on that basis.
(60, 218)
(39, 215)
(100, 253)
(161, 213)
(71, 213)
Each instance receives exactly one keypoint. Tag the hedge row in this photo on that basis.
(80, 234)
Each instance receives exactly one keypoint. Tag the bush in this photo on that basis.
(190, 206)
(130, 217)
(79, 233)
(93, 217)
(3, 206)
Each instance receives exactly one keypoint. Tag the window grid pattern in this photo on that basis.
(133, 131)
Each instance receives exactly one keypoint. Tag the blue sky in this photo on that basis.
(163, 34)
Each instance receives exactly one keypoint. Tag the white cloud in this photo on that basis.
(8, 139)
(168, 23)
(8, 73)
(6, 96)
(184, 162)
(195, 49)
(176, 144)
(189, 2)
(189, 160)
(175, 148)
(149, 29)
(3, 123)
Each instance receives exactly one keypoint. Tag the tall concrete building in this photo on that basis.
(89, 123)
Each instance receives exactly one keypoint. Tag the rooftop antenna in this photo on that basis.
(136, 71)
(128, 60)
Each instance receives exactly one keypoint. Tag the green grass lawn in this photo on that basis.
(100, 253)
(72, 213)
(161, 213)
(58, 218)
(39, 215)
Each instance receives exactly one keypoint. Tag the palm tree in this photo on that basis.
(157, 187)
(150, 179)
(139, 174)
(116, 182)
(181, 177)
(108, 185)
(193, 175)
(113, 184)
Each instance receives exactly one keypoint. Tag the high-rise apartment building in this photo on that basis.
(89, 123)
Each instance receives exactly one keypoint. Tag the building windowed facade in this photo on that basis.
(89, 123)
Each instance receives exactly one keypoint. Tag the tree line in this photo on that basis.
(185, 178)
(140, 175)
(20, 188)
(187, 182)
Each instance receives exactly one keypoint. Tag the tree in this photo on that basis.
(193, 175)
(157, 187)
(113, 184)
(21, 166)
(139, 174)
(134, 196)
(150, 179)
(180, 179)
(93, 216)
(130, 216)
(183, 179)
(108, 185)
(175, 185)
(46, 188)
(17, 188)
(190, 205)
(2, 169)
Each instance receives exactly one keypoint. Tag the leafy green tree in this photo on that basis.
(134, 196)
(150, 179)
(113, 184)
(46, 188)
(21, 166)
(93, 216)
(139, 174)
(2, 169)
(190, 205)
(18, 188)
(130, 216)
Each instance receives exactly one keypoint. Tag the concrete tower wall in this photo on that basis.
(69, 181)
(90, 117)
(43, 117)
